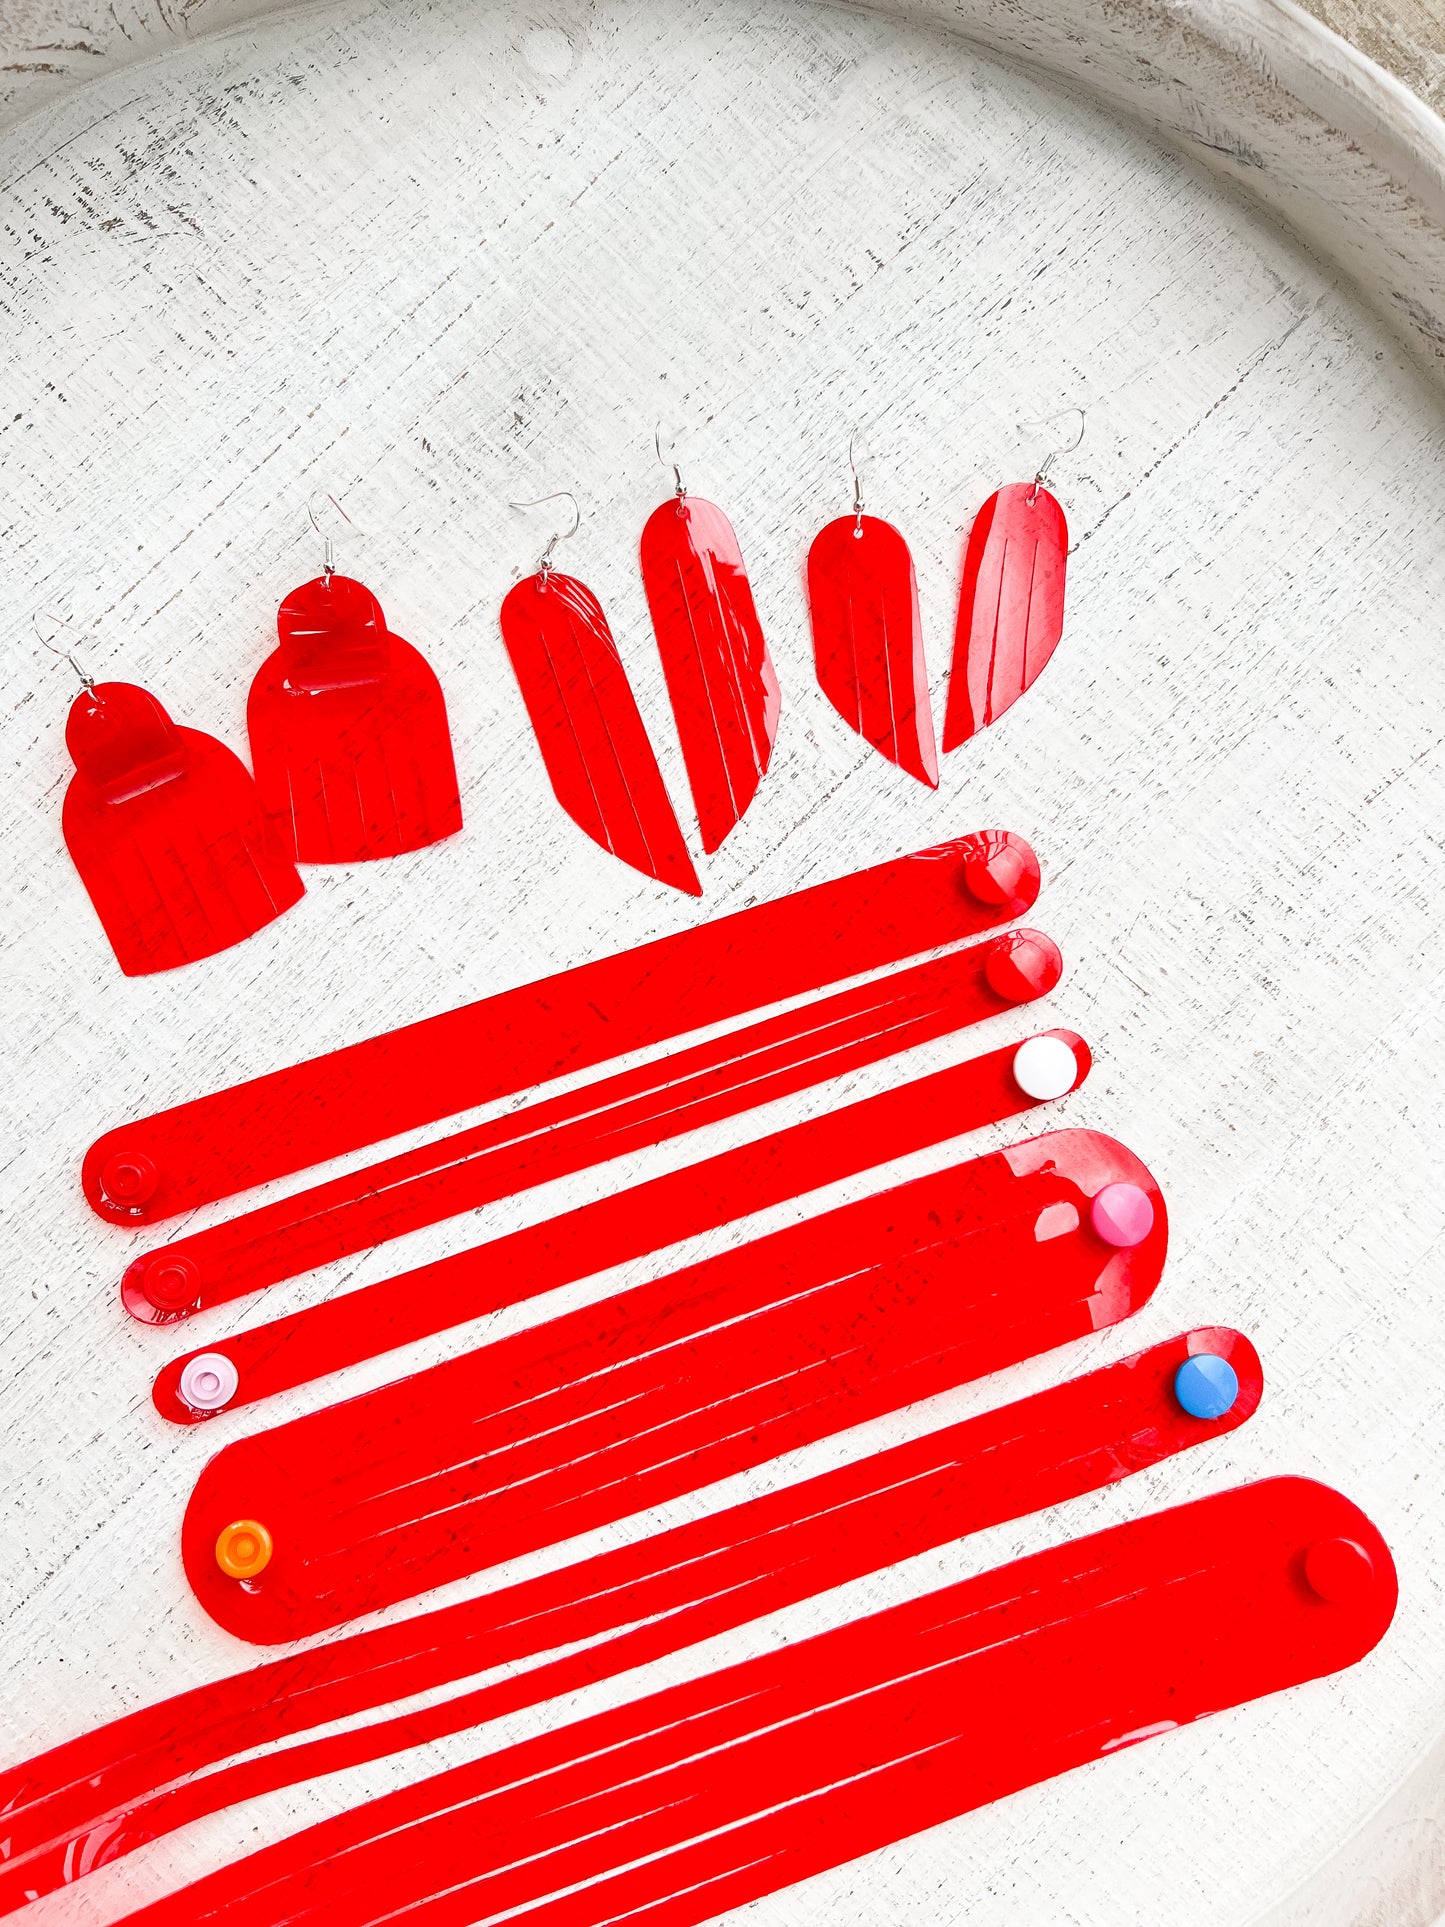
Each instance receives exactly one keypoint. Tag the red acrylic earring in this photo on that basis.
(720, 678)
(867, 637)
(165, 827)
(1011, 604)
(601, 764)
(349, 731)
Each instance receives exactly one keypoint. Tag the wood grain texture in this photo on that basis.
(441, 256)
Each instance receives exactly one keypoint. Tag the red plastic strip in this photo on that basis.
(720, 678)
(584, 715)
(349, 733)
(165, 827)
(102, 1795)
(1010, 608)
(668, 1387)
(715, 1792)
(606, 1119)
(289, 1119)
(868, 639)
(629, 1224)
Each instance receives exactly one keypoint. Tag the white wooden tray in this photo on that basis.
(435, 256)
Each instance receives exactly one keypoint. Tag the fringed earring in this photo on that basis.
(165, 827)
(1011, 604)
(720, 678)
(348, 729)
(867, 637)
(601, 764)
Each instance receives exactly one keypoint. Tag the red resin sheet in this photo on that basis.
(626, 1225)
(712, 1793)
(1010, 608)
(101, 1796)
(720, 679)
(600, 762)
(270, 1126)
(166, 829)
(670, 1386)
(868, 639)
(604, 1120)
(349, 732)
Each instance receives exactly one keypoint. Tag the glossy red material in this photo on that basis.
(868, 639)
(1010, 607)
(667, 1387)
(584, 715)
(104, 1794)
(369, 1091)
(675, 1808)
(349, 732)
(720, 679)
(165, 827)
(626, 1225)
(605, 1119)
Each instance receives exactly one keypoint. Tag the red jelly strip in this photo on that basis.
(720, 1790)
(1010, 607)
(584, 715)
(112, 1790)
(604, 1120)
(868, 640)
(166, 829)
(629, 1224)
(289, 1119)
(720, 678)
(668, 1387)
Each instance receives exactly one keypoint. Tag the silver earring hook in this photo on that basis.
(857, 487)
(668, 462)
(86, 682)
(1041, 474)
(328, 567)
(563, 535)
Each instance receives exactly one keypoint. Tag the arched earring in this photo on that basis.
(348, 726)
(584, 715)
(867, 637)
(166, 830)
(1011, 603)
(720, 678)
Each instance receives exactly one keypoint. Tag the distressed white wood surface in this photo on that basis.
(440, 256)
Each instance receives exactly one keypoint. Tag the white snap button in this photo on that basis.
(1045, 1067)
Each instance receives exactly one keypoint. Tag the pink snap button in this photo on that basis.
(209, 1382)
(1122, 1215)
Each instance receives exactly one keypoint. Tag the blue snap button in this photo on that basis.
(1206, 1386)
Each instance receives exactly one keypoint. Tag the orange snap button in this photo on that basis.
(243, 1549)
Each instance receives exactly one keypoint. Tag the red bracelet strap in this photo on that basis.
(605, 1119)
(671, 1809)
(643, 1218)
(294, 1118)
(665, 1388)
(110, 1791)
(133, 1779)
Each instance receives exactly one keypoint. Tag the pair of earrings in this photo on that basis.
(868, 647)
(720, 681)
(183, 853)
(868, 638)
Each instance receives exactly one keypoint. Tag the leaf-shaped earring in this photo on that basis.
(601, 764)
(720, 678)
(348, 729)
(1011, 604)
(165, 827)
(867, 637)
